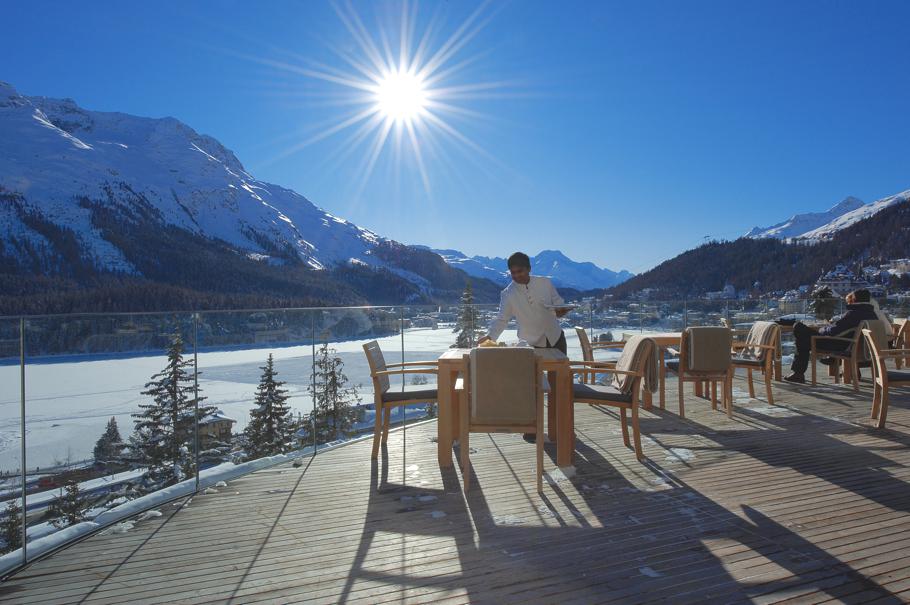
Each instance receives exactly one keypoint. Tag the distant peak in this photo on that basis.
(847, 204)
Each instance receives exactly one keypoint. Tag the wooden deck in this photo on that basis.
(799, 503)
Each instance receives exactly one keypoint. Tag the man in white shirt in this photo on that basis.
(534, 303)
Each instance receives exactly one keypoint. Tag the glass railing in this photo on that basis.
(87, 376)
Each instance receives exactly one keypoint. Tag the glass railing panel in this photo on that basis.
(10, 425)
(234, 348)
(85, 380)
(616, 317)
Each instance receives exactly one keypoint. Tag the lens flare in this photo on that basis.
(400, 96)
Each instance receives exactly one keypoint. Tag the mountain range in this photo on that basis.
(818, 226)
(108, 199)
(565, 272)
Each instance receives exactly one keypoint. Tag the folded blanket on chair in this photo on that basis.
(633, 354)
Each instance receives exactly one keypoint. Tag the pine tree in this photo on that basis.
(163, 434)
(69, 508)
(467, 326)
(271, 427)
(333, 400)
(110, 444)
(11, 526)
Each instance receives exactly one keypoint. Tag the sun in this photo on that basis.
(401, 96)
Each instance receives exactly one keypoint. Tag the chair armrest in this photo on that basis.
(594, 364)
(841, 338)
(890, 353)
(404, 371)
(412, 363)
(607, 345)
(744, 345)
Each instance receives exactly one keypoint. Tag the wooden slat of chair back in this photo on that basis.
(377, 364)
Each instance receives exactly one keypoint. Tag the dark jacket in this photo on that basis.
(844, 324)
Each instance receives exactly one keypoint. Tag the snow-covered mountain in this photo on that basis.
(799, 224)
(88, 192)
(564, 271)
(822, 225)
(53, 154)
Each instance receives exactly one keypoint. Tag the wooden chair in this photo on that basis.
(386, 398)
(758, 352)
(588, 348)
(901, 340)
(501, 392)
(847, 360)
(629, 371)
(704, 357)
(882, 377)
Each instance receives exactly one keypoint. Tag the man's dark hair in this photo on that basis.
(519, 259)
(862, 295)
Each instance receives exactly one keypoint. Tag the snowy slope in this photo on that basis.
(54, 153)
(822, 225)
(799, 224)
(845, 220)
(564, 271)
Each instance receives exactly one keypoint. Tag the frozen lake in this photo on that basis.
(70, 402)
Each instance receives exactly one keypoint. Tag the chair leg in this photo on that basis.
(636, 433)
(751, 386)
(714, 394)
(377, 430)
(854, 370)
(876, 401)
(728, 393)
(812, 363)
(464, 446)
(883, 413)
(539, 442)
(386, 420)
(682, 407)
(625, 428)
(768, 388)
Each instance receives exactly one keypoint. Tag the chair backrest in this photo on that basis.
(878, 335)
(639, 355)
(377, 363)
(707, 348)
(503, 386)
(587, 351)
(874, 346)
(762, 333)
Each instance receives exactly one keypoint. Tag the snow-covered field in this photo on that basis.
(68, 403)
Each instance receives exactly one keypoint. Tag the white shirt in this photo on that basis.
(536, 323)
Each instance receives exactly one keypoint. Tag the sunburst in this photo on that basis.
(406, 100)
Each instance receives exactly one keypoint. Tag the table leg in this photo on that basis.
(446, 424)
(565, 410)
(552, 401)
(662, 374)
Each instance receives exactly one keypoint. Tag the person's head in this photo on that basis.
(861, 296)
(520, 267)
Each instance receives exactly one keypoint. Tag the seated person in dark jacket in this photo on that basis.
(859, 309)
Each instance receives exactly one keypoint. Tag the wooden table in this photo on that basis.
(663, 340)
(560, 416)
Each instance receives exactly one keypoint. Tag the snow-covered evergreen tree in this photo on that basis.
(11, 526)
(163, 436)
(468, 325)
(333, 400)
(271, 427)
(110, 444)
(69, 508)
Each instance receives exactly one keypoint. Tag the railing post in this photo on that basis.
(196, 395)
(404, 408)
(22, 428)
(313, 379)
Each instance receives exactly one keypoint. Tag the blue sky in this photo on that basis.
(619, 133)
